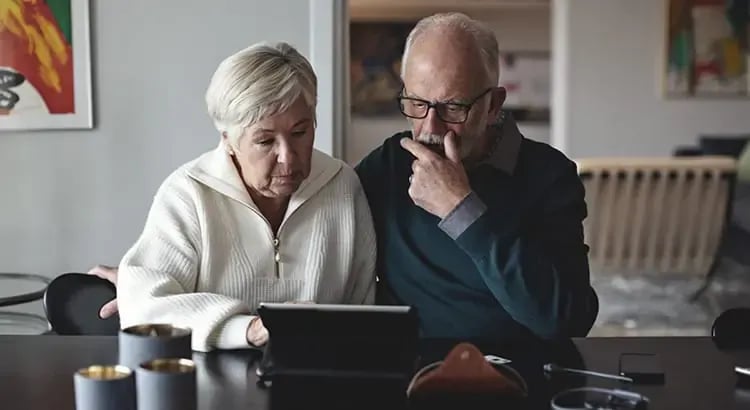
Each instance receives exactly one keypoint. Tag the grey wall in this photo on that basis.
(71, 199)
(607, 63)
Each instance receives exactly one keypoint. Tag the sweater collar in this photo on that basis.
(215, 169)
(507, 146)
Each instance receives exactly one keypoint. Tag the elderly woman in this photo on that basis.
(264, 217)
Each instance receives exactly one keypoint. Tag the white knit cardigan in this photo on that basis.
(207, 257)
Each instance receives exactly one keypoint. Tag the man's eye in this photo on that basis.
(417, 104)
(453, 108)
(299, 133)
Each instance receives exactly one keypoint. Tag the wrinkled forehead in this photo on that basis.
(451, 73)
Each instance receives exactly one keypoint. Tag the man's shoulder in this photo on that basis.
(386, 153)
(390, 146)
(550, 174)
(543, 160)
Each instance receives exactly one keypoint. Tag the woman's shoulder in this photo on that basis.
(181, 181)
(326, 172)
(179, 178)
(344, 175)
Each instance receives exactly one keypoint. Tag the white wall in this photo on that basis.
(72, 199)
(516, 30)
(607, 61)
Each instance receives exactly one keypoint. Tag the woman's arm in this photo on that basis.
(157, 276)
(362, 290)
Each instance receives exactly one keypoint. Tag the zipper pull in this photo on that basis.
(276, 256)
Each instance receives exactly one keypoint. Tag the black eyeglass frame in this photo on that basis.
(465, 107)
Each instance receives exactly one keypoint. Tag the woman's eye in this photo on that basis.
(265, 142)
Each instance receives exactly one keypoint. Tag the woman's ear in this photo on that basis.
(227, 145)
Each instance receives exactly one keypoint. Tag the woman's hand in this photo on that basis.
(109, 273)
(256, 335)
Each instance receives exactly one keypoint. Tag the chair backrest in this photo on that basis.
(661, 215)
(72, 302)
(731, 329)
(725, 145)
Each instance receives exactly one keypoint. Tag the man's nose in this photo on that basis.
(432, 123)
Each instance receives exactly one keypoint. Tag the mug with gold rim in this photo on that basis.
(140, 343)
(109, 387)
(167, 384)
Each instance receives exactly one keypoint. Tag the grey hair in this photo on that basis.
(256, 82)
(483, 37)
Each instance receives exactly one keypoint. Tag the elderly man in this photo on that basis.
(477, 227)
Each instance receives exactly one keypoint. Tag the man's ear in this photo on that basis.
(498, 95)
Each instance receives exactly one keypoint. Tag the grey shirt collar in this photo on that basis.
(504, 156)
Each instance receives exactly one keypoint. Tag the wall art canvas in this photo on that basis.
(45, 65)
(707, 48)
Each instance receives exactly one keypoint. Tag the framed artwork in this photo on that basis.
(707, 53)
(45, 67)
(375, 67)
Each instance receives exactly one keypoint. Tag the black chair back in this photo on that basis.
(72, 302)
(731, 330)
(728, 145)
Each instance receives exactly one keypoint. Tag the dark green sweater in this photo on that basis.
(519, 270)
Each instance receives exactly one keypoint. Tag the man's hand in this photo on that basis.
(437, 184)
(109, 273)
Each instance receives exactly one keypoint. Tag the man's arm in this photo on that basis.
(537, 271)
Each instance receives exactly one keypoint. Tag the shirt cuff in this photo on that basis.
(463, 215)
(233, 334)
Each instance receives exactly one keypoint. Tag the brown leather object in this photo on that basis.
(465, 371)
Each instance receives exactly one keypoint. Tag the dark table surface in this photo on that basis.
(36, 372)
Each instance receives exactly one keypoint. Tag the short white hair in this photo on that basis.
(257, 82)
(483, 37)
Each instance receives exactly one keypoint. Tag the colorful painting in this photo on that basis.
(44, 64)
(708, 53)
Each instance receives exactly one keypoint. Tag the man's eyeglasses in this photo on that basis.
(450, 112)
